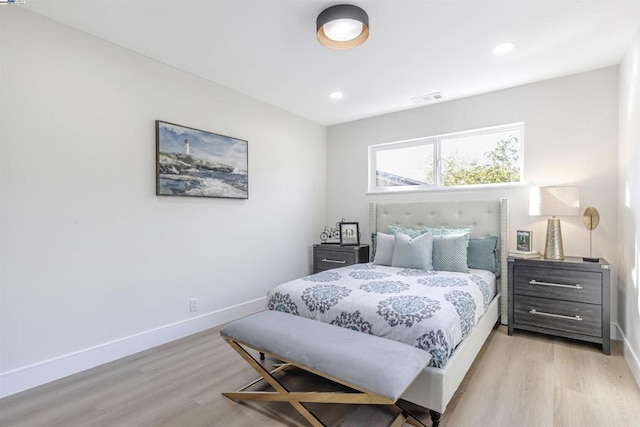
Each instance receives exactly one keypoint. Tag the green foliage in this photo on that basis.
(502, 166)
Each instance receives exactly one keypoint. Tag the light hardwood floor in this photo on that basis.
(522, 380)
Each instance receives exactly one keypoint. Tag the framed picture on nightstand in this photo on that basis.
(349, 233)
(523, 241)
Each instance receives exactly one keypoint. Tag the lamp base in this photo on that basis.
(589, 259)
(553, 246)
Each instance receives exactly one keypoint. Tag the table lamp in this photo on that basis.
(553, 202)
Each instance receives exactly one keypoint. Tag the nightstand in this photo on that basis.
(566, 298)
(326, 257)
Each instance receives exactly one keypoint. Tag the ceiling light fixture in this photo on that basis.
(342, 26)
(502, 48)
(336, 95)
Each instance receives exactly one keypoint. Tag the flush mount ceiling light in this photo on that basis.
(342, 26)
(502, 48)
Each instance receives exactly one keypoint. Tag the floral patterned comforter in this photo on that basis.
(431, 310)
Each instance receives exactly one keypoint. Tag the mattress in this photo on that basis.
(431, 310)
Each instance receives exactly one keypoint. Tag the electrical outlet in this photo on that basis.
(193, 304)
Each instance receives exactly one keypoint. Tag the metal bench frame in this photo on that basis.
(281, 394)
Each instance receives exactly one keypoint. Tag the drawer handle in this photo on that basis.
(334, 261)
(557, 285)
(560, 316)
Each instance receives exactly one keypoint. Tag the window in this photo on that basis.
(478, 157)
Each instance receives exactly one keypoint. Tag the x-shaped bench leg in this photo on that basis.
(281, 393)
(280, 389)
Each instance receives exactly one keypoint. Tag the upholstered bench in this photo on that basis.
(380, 370)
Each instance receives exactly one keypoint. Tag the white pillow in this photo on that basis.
(384, 249)
(413, 253)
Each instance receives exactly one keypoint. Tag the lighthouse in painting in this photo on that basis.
(186, 146)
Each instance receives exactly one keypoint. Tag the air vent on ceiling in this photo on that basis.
(435, 96)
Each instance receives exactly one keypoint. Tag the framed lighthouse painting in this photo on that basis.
(197, 163)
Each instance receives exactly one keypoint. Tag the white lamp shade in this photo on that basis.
(554, 201)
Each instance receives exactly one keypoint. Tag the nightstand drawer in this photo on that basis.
(327, 259)
(566, 316)
(579, 286)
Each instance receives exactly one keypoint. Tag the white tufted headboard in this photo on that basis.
(484, 218)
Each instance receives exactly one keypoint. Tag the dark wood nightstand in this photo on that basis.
(567, 298)
(326, 257)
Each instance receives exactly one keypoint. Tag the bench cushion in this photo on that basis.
(370, 363)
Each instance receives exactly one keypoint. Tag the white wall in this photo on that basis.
(93, 265)
(1, 209)
(628, 237)
(570, 139)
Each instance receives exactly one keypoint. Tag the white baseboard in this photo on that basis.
(27, 377)
(614, 331)
(629, 355)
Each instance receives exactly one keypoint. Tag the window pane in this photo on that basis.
(488, 158)
(405, 166)
(476, 157)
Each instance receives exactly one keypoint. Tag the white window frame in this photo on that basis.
(437, 140)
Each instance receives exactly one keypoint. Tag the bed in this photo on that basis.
(368, 291)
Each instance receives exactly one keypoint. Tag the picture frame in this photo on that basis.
(523, 240)
(349, 233)
(196, 163)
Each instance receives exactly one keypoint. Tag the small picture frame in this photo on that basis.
(523, 240)
(349, 234)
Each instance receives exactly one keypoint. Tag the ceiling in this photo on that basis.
(267, 48)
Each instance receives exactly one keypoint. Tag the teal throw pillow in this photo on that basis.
(482, 254)
(440, 231)
(384, 249)
(412, 252)
(374, 244)
(411, 232)
(450, 253)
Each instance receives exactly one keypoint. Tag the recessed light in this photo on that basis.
(336, 95)
(502, 48)
(427, 98)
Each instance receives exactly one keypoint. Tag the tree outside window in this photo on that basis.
(480, 157)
